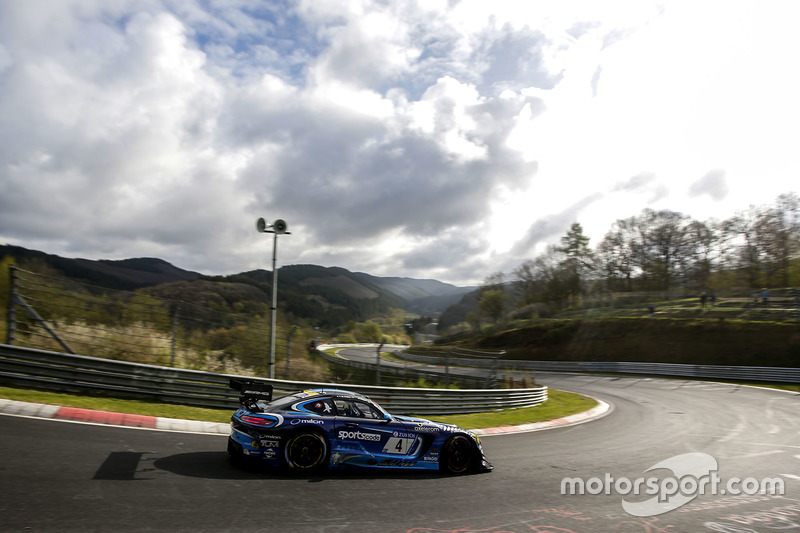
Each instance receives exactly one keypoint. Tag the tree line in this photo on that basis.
(658, 250)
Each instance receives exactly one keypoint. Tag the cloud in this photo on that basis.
(644, 183)
(427, 138)
(547, 230)
(713, 184)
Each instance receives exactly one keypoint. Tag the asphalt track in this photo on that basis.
(61, 476)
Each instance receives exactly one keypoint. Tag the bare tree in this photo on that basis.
(493, 298)
(617, 255)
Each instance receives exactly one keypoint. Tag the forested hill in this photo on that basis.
(125, 274)
(324, 295)
(331, 296)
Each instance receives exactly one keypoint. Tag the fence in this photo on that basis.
(51, 313)
(26, 367)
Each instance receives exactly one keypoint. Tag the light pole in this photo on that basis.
(278, 227)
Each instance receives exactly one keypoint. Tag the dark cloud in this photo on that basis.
(350, 178)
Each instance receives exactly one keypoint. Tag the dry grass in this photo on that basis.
(141, 343)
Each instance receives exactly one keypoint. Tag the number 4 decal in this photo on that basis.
(397, 445)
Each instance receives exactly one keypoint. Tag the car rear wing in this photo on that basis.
(252, 392)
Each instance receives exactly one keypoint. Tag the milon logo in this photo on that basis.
(359, 436)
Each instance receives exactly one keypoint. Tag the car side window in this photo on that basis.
(367, 411)
(356, 409)
(322, 407)
(343, 407)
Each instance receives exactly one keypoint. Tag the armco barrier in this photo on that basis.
(738, 373)
(474, 382)
(40, 369)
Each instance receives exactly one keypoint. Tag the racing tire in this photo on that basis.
(458, 455)
(306, 452)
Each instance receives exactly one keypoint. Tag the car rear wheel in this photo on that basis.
(306, 452)
(458, 455)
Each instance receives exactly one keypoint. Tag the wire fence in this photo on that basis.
(51, 313)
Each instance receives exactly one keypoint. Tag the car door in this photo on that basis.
(361, 426)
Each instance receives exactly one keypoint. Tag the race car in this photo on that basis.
(321, 429)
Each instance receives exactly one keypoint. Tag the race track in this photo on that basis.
(59, 476)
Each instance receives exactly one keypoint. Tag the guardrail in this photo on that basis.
(476, 382)
(455, 357)
(737, 373)
(27, 367)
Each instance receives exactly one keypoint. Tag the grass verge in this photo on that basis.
(114, 405)
(559, 404)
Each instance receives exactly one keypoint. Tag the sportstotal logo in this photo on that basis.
(693, 474)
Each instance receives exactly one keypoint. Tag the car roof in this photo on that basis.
(333, 393)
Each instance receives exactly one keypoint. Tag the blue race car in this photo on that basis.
(313, 430)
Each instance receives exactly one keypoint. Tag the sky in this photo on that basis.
(428, 139)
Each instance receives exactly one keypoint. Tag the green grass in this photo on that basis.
(115, 405)
(559, 404)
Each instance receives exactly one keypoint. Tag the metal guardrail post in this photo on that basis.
(42, 322)
(378, 364)
(174, 340)
(12, 301)
(447, 367)
(289, 350)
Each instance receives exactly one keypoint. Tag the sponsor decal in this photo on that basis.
(269, 443)
(427, 428)
(357, 435)
(403, 435)
(338, 459)
(268, 454)
(397, 462)
(397, 445)
(307, 421)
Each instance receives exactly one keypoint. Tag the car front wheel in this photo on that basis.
(458, 455)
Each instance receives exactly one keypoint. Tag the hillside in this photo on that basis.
(655, 340)
(326, 296)
(125, 274)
